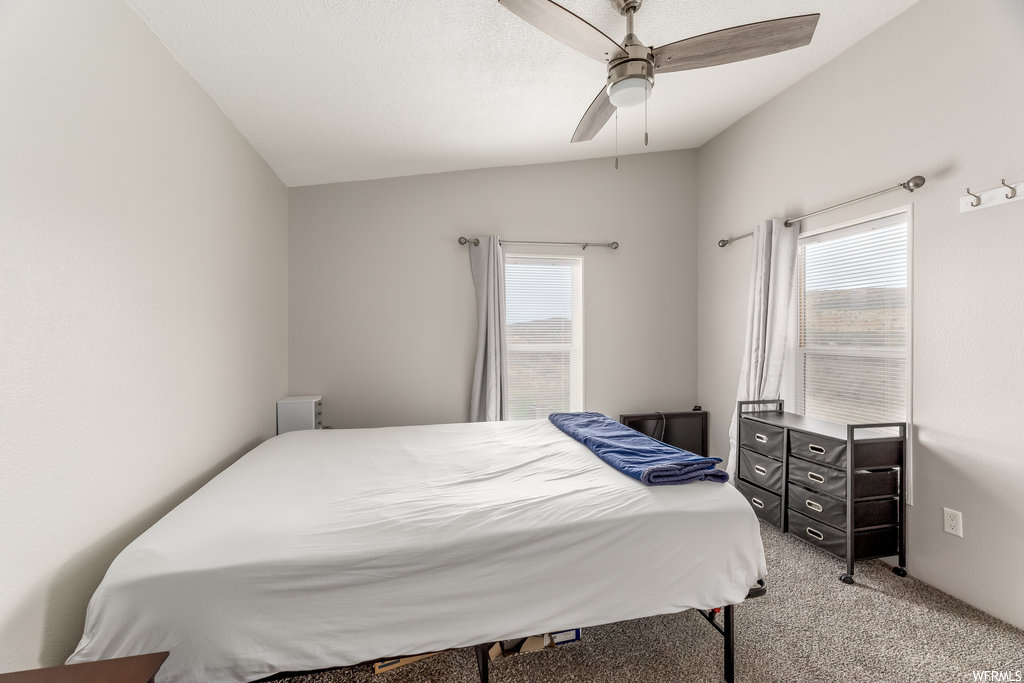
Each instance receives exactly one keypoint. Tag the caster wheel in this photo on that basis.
(899, 571)
(846, 578)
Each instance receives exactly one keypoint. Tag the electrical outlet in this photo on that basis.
(953, 522)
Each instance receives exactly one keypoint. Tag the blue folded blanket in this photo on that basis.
(630, 452)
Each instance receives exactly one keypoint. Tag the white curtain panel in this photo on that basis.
(772, 287)
(489, 397)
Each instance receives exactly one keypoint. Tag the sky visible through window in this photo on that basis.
(524, 281)
(835, 264)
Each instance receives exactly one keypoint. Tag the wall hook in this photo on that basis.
(977, 200)
(1013, 190)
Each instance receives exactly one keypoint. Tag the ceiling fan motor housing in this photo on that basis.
(638, 63)
(623, 6)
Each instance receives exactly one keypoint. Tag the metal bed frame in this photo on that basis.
(483, 658)
(726, 629)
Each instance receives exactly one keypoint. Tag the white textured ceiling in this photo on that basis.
(338, 90)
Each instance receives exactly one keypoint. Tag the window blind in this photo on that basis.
(854, 312)
(543, 331)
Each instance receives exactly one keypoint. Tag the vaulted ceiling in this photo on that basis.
(338, 90)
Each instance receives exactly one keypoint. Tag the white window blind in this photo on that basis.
(852, 363)
(543, 319)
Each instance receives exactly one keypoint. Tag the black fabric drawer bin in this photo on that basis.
(832, 511)
(762, 438)
(818, 448)
(868, 453)
(767, 505)
(818, 477)
(761, 470)
(866, 484)
(869, 543)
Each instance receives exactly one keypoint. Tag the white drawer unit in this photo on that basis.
(299, 412)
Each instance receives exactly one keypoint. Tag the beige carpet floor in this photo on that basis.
(809, 627)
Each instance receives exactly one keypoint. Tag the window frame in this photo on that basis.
(798, 351)
(577, 390)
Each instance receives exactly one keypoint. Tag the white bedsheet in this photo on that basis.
(329, 548)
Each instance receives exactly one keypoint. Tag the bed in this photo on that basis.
(333, 547)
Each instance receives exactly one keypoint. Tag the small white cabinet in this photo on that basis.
(299, 412)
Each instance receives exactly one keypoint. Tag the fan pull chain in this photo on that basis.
(645, 119)
(616, 138)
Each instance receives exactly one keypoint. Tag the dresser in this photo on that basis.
(840, 487)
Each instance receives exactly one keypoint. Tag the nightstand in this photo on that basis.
(137, 669)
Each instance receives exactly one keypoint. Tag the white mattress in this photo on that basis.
(329, 548)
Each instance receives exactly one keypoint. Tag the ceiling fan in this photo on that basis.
(632, 65)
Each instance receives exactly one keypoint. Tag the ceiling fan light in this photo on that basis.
(629, 92)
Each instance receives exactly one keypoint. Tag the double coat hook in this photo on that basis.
(1000, 194)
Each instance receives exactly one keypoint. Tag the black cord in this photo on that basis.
(661, 423)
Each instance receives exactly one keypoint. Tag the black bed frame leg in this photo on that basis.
(729, 644)
(482, 659)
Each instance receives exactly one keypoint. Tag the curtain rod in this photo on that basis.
(910, 185)
(476, 243)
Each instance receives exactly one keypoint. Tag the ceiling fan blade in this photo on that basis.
(598, 113)
(736, 44)
(565, 27)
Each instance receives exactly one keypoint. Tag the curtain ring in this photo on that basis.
(977, 200)
(1013, 190)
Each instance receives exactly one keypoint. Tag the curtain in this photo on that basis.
(489, 397)
(772, 284)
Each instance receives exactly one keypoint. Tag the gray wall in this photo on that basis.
(142, 304)
(381, 310)
(930, 93)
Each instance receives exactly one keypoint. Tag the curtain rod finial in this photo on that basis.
(914, 183)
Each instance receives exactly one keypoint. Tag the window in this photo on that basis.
(544, 333)
(852, 360)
